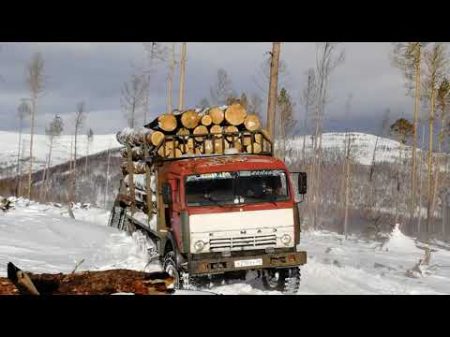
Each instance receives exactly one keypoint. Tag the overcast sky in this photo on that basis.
(95, 72)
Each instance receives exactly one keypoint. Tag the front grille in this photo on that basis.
(242, 243)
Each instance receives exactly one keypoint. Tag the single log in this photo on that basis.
(200, 130)
(219, 146)
(256, 148)
(208, 146)
(167, 122)
(137, 153)
(246, 139)
(217, 115)
(237, 145)
(131, 137)
(183, 132)
(138, 167)
(231, 128)
(235, 114)
(252, 122)
(155, 138)
(206, 120)
(90, 283)
(217, 130)
(258, 138)
(190, 119)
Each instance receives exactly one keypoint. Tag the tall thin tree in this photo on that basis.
(54, 130)
(436, 68)
(80, 117)
(23, 111)
(408, 57)
(35, 82)
(273, 88)
(182, 76)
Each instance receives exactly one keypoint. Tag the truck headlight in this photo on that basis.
(286, 239)
(199, 245)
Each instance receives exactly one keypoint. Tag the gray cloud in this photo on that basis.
(94, 73)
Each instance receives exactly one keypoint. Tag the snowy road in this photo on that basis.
(42, 238)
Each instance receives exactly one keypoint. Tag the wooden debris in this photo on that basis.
(86, 283)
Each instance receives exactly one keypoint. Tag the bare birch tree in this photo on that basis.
(23, 111)
(89, 140)
(326, 62)
(35, 82)
(133, 99)
(408, 57)
(54, 130)
(436, 68)
(307, 99)
(80, 117)
(222, 89)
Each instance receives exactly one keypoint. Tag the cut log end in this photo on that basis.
(235, 114)
(167, 122)
(217, 115)
(190, 119)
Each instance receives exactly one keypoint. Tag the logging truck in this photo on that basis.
(214, 215)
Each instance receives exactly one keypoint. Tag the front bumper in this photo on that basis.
(219, 265)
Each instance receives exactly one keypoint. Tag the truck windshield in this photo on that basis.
(225, 188)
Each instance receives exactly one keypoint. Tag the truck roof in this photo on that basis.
(199, 165)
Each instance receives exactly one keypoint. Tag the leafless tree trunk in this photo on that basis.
(436, 66)
(325, 64)
(35, 81)
(107, 177)
(80, 116)
(273, 88)
(170, 75)
(23, 111)
(307, 98)
(347, 181)
(182, 76)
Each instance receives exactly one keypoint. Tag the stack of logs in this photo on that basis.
(187, 133)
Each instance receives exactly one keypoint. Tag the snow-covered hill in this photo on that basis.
(361, 150)
(42, 238)
(9, 142)
(362, 146)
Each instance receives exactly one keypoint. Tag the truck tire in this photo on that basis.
(170, 266)
(286, 280)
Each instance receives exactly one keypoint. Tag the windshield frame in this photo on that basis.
(219, 203)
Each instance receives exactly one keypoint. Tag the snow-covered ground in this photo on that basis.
(43, 238)
(9, 142)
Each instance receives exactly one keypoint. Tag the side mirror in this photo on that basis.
(302, 183)
(167, 193)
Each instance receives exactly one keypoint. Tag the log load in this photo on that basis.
(196, 132)
(86, 283)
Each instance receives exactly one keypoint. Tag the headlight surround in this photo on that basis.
(286, 239)
(199, 245)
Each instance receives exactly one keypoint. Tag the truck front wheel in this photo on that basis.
(286, 280)
(170, 267)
